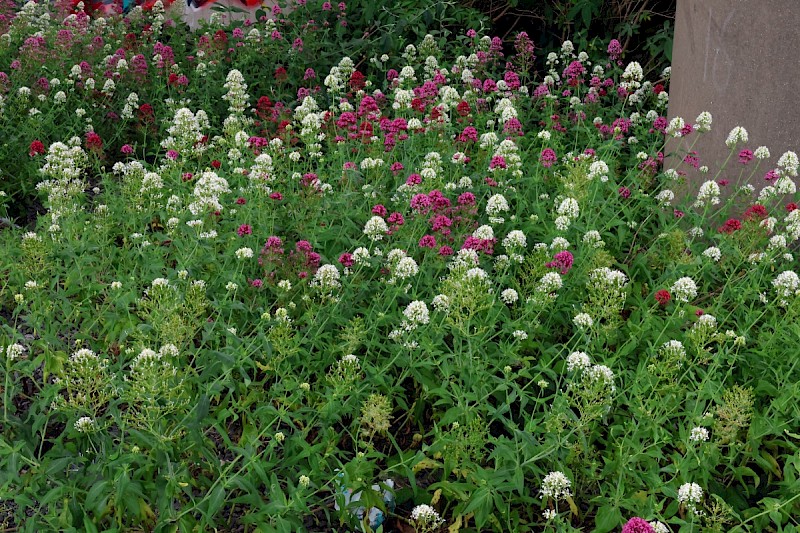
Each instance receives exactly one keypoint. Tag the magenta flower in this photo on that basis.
(244, 229)
(126, 149)
(548, 157)
(614, 49)
(637, 525)
(346, 260)
(562, 261)
(428, 241)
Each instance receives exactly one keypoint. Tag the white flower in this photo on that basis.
(600, 373)
(737, 135)
(14, 352)
(788, 163)
(559, 244)
(84, 424)
(484, 233)
(555, 485)
(568, 208)
(375, 228)
(598, 169)
(550, 282)
(116, 285)
(698, 434)
(440, 302)
(673, 350)
(578, 361)
(785, 185)
(665, 196)
(231, 286)
(327, 278)
(762, 152)
(519, 334)
(244, 253)
(426, 518)
(675, 127)
(509, 296)
(406, 267)
(659, 527)
(496, 205)
(713, 253)
(690, 493)
(708, 194)
(684, 290)
(417, 312)
(786, 286)
(583, 320)
(515, 239)
(703, 121)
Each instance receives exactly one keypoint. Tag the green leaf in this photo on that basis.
(608, 518)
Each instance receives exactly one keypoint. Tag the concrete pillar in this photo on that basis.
(739, 60)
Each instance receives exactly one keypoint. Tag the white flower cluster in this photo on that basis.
(496, 205)
(426, 518)
(567, 211)
(584, 321)
(598, 169)
(326, 278)
(684, 290)
(787, 285)
(555, 485)
(708, 194)
(505, 110)
(607, 278)
(515, 240)
(787, 164)
(509, 296)
(690, 494)
(237, 93)
(206, 193)
(416, 314)
(375, 228)
(593, 239)
(672, 350)
(579, 361)
(84, 424)
(64, 165)
(698, 434)
(186, 131)
(703, 122)
(736, 136)
(14, 352)
(244, 253)
(632, 76)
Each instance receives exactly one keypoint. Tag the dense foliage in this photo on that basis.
(256, 288)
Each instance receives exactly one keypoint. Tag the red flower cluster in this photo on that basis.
(730, 226)
(663, 297)
(36, 148)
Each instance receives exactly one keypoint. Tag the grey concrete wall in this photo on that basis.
(739, 60)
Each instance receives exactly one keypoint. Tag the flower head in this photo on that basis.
(555, 485)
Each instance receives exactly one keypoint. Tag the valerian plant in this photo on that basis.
(259, 288)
